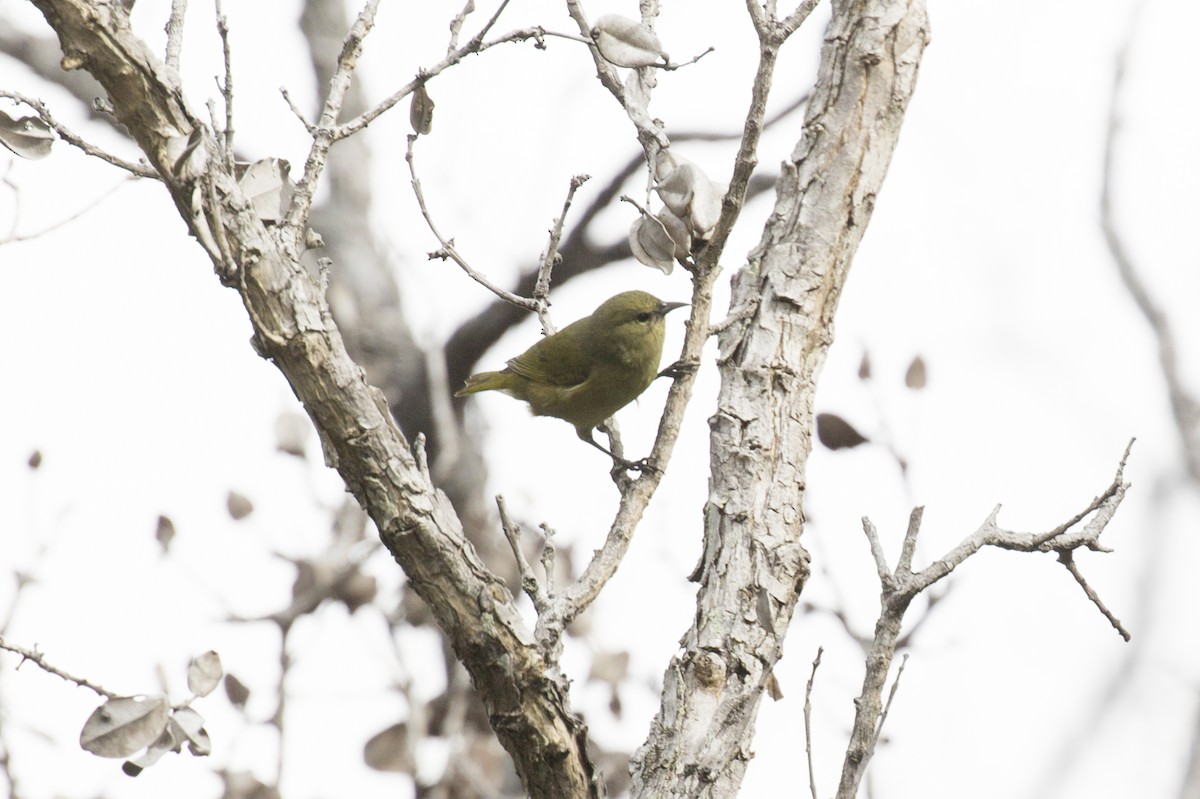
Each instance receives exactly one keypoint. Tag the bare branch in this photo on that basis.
(227, 87)
(881, 565)
(174, 30)
(909, 547)
(549, 554)
(447, 249)
(902, 586)
(529, 581)
(457, 23)
(13, 236)
(39, 659)
(325, 134)
(887, 707)
(808, 690)
(310, 127)
(75, 140)
(1185, 407)
(1067, 558)
(541, 288)
(476, 45)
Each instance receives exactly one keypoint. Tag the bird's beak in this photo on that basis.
(666, 307)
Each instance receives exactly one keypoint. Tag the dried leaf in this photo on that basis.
(626, 42)
(236, 691)
(164, 533)
(864, 367)
(420, 112)
(28, 137)
(188, 725)
(689, 193)
(915, 377)
(387, 750)
(204, 673)
(123, 725)
(239, 507)
(268, 185)
(651, 244)
(773, 689)
(836, 433)
(167, 742)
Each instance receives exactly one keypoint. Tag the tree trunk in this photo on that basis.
(754, 565)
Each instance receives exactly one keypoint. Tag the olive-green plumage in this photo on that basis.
(591, 368)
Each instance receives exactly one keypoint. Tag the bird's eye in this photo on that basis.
(645, 316)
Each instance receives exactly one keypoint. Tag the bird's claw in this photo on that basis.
(679, 369)
(642, 465)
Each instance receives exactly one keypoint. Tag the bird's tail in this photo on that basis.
(484, 381)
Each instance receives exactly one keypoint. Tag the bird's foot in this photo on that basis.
(643, 465)
(679, 369)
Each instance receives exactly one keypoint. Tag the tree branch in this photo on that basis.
(754, 566)
(527, 704)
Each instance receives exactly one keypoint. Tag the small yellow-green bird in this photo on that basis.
(590, 369)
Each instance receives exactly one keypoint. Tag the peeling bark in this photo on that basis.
(754, 565)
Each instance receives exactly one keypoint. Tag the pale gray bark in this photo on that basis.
(783, 303)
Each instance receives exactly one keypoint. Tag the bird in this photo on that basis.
(590, 369)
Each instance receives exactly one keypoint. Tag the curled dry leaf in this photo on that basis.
(420, 111)
(689, 193)
(125, 724)
(237, 691)
(204, 673)
(239, 506)
(658, 240)
(188, 725)
(164, 533)
(388, 750)
(836, 433)
(169, 741)
(268, 185)
(651, 244)
(916, 376)
(864, 367)
(28, 137)
(626, 42)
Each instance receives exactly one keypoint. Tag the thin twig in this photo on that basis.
(888, 705)
(529, 581)
(904, 564)
(448, 250)
(812, 777)
(541, 288)
(475, 45)
(669, 67)
(324, 136)
(549, 553)
(227, 88)
(174, 29)
(70, 137)
(310, 127)
(457, 23)
(881, 565)
(1067, 558)
(1185, 407)
(67, 220)
(39, 660)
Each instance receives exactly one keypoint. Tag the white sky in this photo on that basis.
(128, 366)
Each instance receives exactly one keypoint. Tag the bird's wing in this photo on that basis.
(535, 365)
